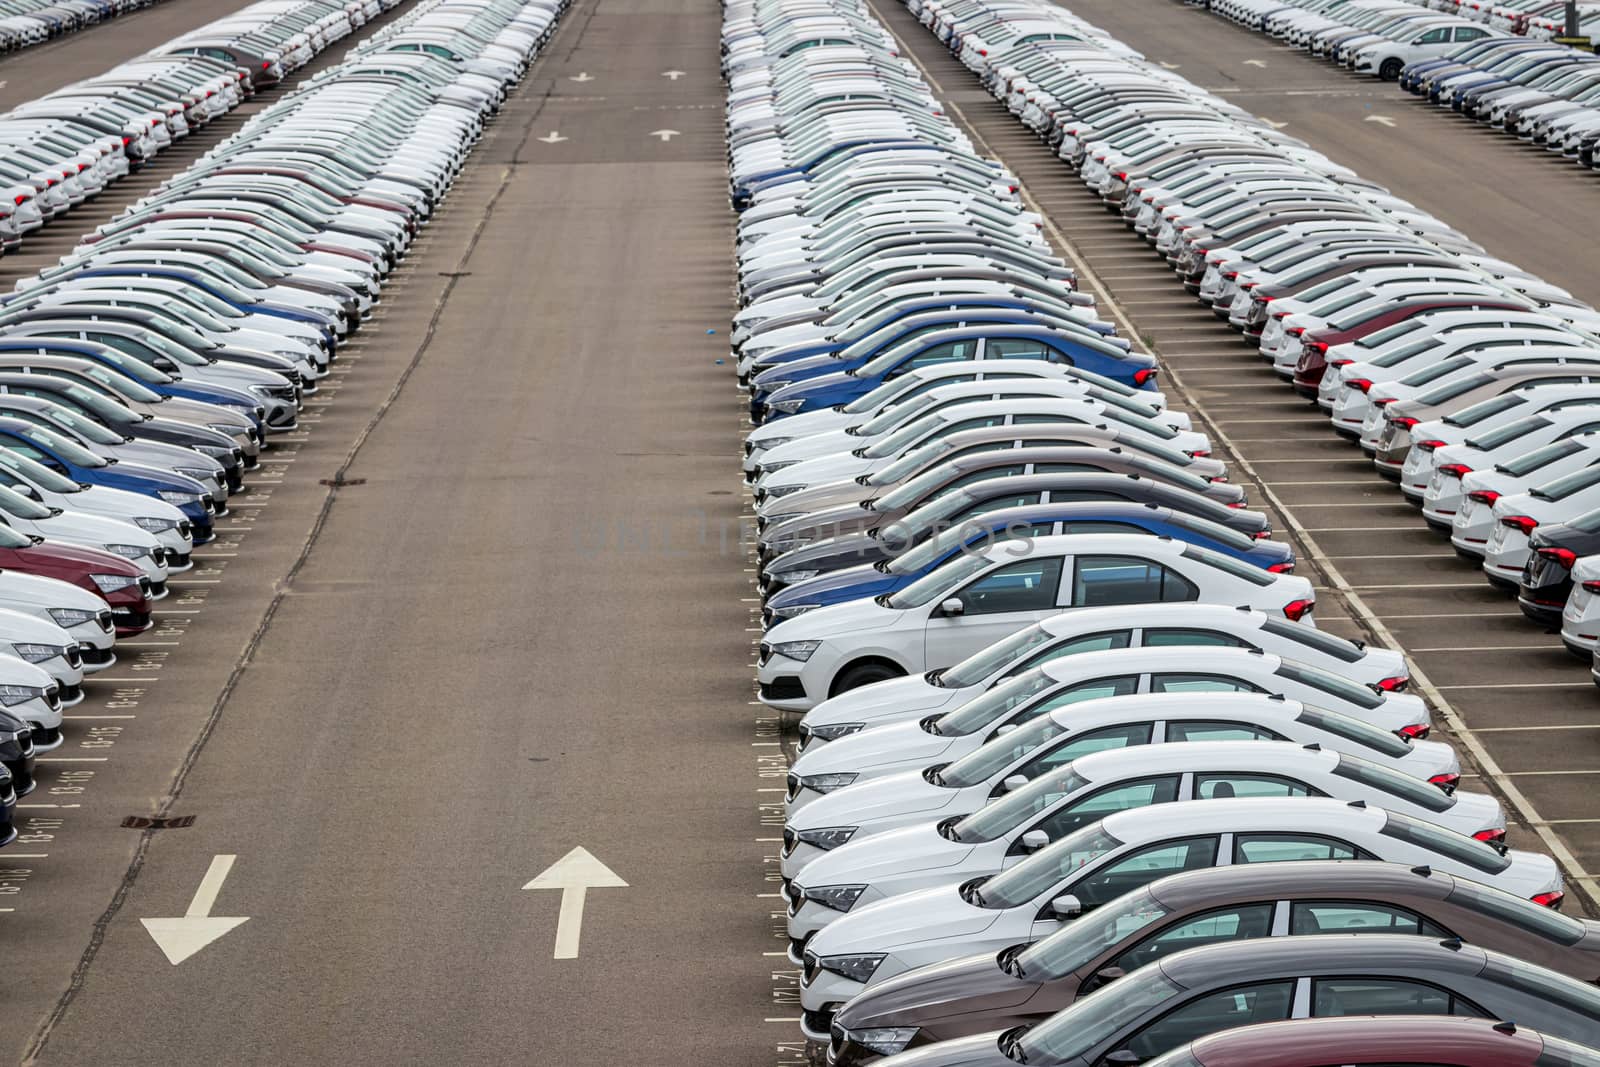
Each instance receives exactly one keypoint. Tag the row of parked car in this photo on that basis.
(30, 22)
(142, 376)
(999, 575)
(64, 148)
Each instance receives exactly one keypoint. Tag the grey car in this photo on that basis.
(1207, 990)
(1027, 983)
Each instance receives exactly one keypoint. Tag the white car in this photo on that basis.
(1386, 58)
(47, 646)
(1580, 618)
(1487, 450)
(1094, 630)
(975, 600)
(85, 617)
(29, 693)
(139, 547)
(1516, 516)
(905, 746)
(1123, 852)
(1472, 525)
(943, 789)
(45, 486)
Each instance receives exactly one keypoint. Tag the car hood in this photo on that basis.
(894, 854)
(896, 795)
(922, 915)
(887, 749)
(959, 986)
(20, 626)
(897, 699)
(979, 1050)
(852, 583)
(36, 591)
(812, 445)
(817, 471)
(81, 526)
(853, 616)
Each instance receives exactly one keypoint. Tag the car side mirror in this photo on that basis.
(952, 608)
(1109, 974)
(1015, 782)
(1066, 906)
(1034, 840)
(1122, 1056)
(1004, 728)
(164, 365)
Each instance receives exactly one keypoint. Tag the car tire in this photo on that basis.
(1390, 70)
(864, 674)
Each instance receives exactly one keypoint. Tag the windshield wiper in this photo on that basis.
(1011, 1045)
(1009, 958)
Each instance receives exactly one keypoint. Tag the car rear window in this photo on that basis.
(1326, 643)
(1565, 486)
(1447, 843)
(1529, 462)
(1524, 914)
(1353, 729)
(1451, 390)
(1237, 568)
(1503, 435)
(1414, 790)
(1332, 684)
(1487, 409)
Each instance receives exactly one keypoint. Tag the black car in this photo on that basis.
(17, 753)
(1553, 550)
(8, 807)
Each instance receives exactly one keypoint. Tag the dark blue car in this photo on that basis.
(1034, 520)
(213, 287)
(966, 343)
(72, 460)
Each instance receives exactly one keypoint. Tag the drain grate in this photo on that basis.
(157, 822)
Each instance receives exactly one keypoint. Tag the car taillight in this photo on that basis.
(1454, 470)
(1263, 535)
(1550, 900)
(266, 64)
(1200, 453)
(1392, 685)
(1591, 586)
(1360, 384)
(1231, 275)
(1447, 782)
(1564, 556)
(1525, 523)
(1295, 331)
(1282, 568)
(155, 122)
(1143, 374)
(21, 200)
(1236, 503)
(1483, 496)
(1403, 422)
(126, 141)
(1122, 175)
(1340, 362)
(1416, 731)
(1317, 346)
(1491, 837)
(1427, 446)
(1295, 610)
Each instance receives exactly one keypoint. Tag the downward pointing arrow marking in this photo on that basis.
(574, 874)
(665, 135)
(181, 938)
(581, 76)
(553, 138)
(673, 74)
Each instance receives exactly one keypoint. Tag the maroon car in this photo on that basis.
(120, 584)
(1381, 1041)
(1314, 344)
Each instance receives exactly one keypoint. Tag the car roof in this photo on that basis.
(1076, 621)
(1369, 954)
(1381, 1039)
(1264, 814)
(1145, 659)
(1271, 881)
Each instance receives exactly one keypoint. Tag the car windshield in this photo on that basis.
(71, 451)
(890, 417)
(1085, 938)
(938, 582)
(1529, 462)
(1091, 1020)
(981, 712)
(1353, 729)
(903, 496)
(987, 662)
(870, 402)
(915, 460)
(1000, 817)
(983, 763)
(37, 473)
(100, 404)
(894, 444)
(1504, 435)
(1331, 684)
(15, 504)
(1048, 867)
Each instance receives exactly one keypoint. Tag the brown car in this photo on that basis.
(1030, 982)
(1382, 1041)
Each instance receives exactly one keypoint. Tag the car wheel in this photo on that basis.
(864, 674)
(1390, 71)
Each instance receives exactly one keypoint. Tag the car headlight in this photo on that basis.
(199, 474)
(177, 499)
(67, 618)
(154, 525)
(228, 428)
(37, 653)
(12, 695)
(790, 577)
(837, 897)
(768, 468)
(778, 491)
(215, 451)
(884, 1040)
(110, 583)
(788, 407)
(827, 783)
(784, 544)
(796, 650)
(793, 610)
(832, 731)
(768, 444)
(127, 551)
(856, 968)
(826, 837)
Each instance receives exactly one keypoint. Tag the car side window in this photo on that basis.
(22, 448)
(977, 476)
(1212, 927)
(1223, 785)
(1111, 737)
(1384, 996)
(1099, 642)
(1066, 468)
(1015, 348)
(1434, 36)
(1104, 581)
(1194, 682)
(1016, 500)
(1139, 868)
(1273, 848)
(1094, 690)
(1169, 637)
(1199, 730)
(1098, 526)
(1027, 585)
(1358, 917)
(1209, 1013)
(949, 352)
(1470, 33)
(1102, 802)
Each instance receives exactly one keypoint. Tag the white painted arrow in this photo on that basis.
(181, 938)
(554, 138)
(1255, 63)
(1274, 125)
(1385, 119)
(574, 874)
(1171, 66)
(581, 76)
(665, 135)
(673, 74)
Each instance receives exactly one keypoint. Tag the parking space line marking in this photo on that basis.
(1355, 529)
(795, 1019)
(1486, 648)
(1418, 585)
(1517, 729)
(71, 759)
(1546, 774)
(92, 718)
(27, 855)
(1522, 685)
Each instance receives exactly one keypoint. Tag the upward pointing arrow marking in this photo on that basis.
(665, 135)
(574, 874)
(1254, 63)
(673, 74)
(183, 937)
(553, 138)
(582, 76)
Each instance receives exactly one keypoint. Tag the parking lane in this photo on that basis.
(1422, 580)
